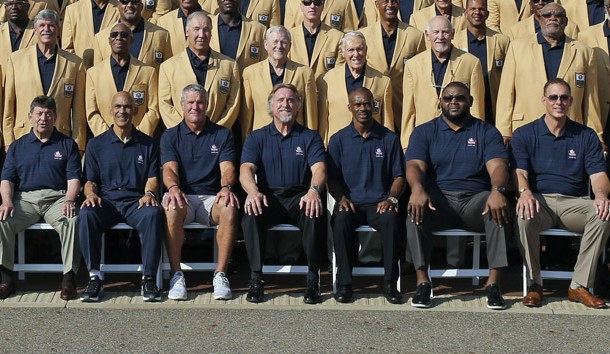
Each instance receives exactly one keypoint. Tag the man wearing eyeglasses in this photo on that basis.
(445, 8)
(531, 25)
(174, 22)
(35, 71)
(503, 14)
(550, 54)
(199, 64)
(457, 168)
(428, 72)
(236, 36)
(121, 72)
(314, 43)
(336, 85)
(391, 44)
(150, 43)
(259, 79)
(265, 12)
(341, 15)
(18, 32)
(555, 157)
(82, 21)
(35, 6)
(598, 38)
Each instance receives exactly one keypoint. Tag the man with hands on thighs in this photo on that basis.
(283, 169)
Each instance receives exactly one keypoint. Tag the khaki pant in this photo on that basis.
(28, 209)
(576, 214)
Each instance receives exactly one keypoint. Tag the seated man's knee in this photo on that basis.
(177, 215)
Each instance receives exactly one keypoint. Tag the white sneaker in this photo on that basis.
(222, 288)
(177, 287)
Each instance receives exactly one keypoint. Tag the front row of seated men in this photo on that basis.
(456, 167)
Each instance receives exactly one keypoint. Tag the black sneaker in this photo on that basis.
(256, 291)
(495, 301)
(150, 293)
(94, 290)
(422, 296)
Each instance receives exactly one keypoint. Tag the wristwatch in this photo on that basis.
(523, 190)
(500, 189)
(227, 186)
(315, 188)
(393, 200)
(151, 193)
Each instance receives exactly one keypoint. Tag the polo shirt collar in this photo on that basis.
(542, 40)
(568, 131)
(374, 134)
(307, 34)
(467, 124)
(472, 38)
(221, 22)
(195, 59)
(41, 56)
(348, 72)
(185, 130)
(181, 13)
(33, 138)
(296, 130)
(113, 138)
(115, 63)
(384, 34)
(94, 5)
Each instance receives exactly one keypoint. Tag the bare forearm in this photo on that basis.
(90, 189)
(398, 186)
(152, 184)
(246, 178)
(318, 177)
(73, 189)
(6, 190)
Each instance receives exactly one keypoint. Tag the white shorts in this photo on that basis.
(198, 209)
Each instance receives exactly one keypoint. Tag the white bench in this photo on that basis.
(475, 272)
(552, 274)
(22, 267)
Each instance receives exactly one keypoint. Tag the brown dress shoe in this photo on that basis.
(68, 287)
(6, 290)
(583, 296)
(534, 296)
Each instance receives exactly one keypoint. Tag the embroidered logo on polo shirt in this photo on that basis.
(214, 149)
(158, 56)
(299, 151)
(150, 4)
(263, 18)
(68, 90)
(335, 20)
(472, 142)
(224, 85)
(330, 62)
(138, 97)
(58, 155)
(378, 152)
(580, 79)
(254, 51)
(572, 154)
(140, 160)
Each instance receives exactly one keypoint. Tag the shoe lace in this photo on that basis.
(93, 286)
(221, 279)
(149, 285)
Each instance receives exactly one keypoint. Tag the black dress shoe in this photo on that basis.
(392, 294)
(312, 294)
(68, 287)
(256, 291)
(344, 294)
(6, 290)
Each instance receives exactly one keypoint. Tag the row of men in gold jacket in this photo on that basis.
(239, 88)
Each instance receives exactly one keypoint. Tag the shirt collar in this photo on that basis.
(181, 13)
(384, 34)
(185, 130)
(307, 34)
(542, 40)
(195, 59)
(113, 138)
(53, 138)
(221, 22)
(348, 72)
(375, 132)
(115, 63)
(472, 39)
(296, 130)
(94, 5)
(41, 56)
(568, 130)
(468, 123)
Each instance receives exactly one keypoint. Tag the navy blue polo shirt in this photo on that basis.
(98, 15)
(389, 43)
(536, 26)
(352, 83)
(552, 56)
(46, 67)
(438, 13)
(365, 167)
(16, 37)
(607, 32)
(518, 3)
(406, 10)
(275, 78)
(33, 165)
(244, 7)
(228, 37)
(310, 40)
(183, 16)
(359, 7)
(438, 71)
(119, 73)
(198, 155)
(456, 159)
(283, 161)
(200, 67)
(138, 38)
(121, 170)
(596, 11)
(558, 164)
(282, 10)
(478, 48)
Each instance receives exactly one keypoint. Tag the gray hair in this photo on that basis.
(436, 18)
(278, 28)
(47, 15)
(196, 14)
(194, 88)
(352, 35)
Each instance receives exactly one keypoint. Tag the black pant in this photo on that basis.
(283, 208)
(346, 240)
